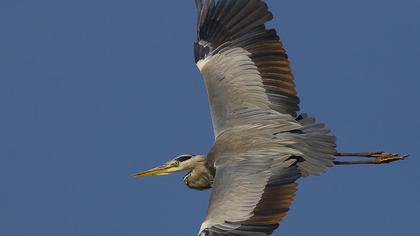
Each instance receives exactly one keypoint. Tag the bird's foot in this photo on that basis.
(384, 157)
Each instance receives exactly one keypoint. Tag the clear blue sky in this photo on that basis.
(94, 90)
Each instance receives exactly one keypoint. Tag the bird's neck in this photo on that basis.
(200, 177)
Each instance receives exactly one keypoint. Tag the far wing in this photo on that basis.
(244, 65)
(250, 197)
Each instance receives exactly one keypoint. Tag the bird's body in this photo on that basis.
(265, 160)
(262, 143)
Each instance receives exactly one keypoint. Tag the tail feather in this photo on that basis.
(318, 146)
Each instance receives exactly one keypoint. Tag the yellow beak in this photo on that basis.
(161, 170)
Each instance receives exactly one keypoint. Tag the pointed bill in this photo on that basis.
(161, 170)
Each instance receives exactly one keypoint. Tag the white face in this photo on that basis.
(186, 162)
(181, 163)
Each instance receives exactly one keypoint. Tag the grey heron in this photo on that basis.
(263, 144)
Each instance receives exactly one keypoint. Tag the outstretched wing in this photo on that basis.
(251, 196)
(244, 65)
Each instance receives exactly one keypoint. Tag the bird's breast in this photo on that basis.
(199, 179)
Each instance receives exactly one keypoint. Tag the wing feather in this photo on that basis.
(234, 45)
(235, 89)
(251, 196)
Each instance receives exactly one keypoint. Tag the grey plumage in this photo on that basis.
(262, 145)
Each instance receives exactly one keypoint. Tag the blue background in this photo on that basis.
(92, 91)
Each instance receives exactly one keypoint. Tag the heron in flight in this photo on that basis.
(263, 144)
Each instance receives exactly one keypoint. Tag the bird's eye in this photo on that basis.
(176, 163)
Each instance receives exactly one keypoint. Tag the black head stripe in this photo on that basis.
(183, 158)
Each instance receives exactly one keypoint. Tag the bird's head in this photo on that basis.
(179, 163)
